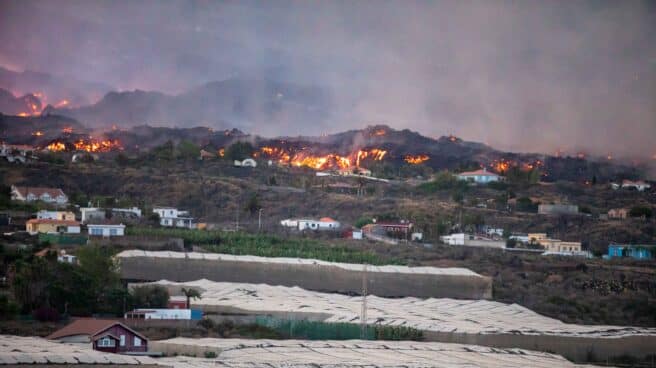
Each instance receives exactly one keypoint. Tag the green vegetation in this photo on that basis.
(362, 221)
(239, 151)
(93, 286)
(191, 293)
(267, 245)
(444, 180)
(524, 204)
(516, 176)
(316, 330)
(641, 211)
(150, 296)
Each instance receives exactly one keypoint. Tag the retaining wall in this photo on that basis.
(577, 349)
(319, 277)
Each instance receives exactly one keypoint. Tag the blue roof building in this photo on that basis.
(629, 250)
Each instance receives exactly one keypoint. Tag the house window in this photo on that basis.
(137, 341)
(112, 232)
(106, 342)
(122, 340)
(96, 231)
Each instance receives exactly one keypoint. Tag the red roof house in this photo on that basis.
(105, 335)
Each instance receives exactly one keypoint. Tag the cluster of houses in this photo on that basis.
(639, 251)
(116, 336)
(492, 239)
(639, 185)
(96, 221)
(301, 224)
(16, 153)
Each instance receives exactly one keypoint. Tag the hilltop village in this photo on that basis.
(141, 252)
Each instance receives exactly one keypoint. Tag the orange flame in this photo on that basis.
(92, 145)
(67, 130)
(221, 152)
(38, 133)
(23, 114)
(56, 147)
(416, 159)
(329, 161)
(379, 132)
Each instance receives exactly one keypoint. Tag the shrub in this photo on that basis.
(525, 204)
(46, 314)
(150, 296)
(207, 323)
(641, 211)
(8, 309)
(210, 355)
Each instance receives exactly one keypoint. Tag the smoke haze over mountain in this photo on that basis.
(520, 75)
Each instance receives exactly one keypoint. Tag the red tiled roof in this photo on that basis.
(53, 221)
(88, 326)
(478, 173)
(39, 191)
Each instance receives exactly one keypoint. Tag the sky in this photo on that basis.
(519, 75)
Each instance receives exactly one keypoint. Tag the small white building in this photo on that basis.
(492, 231)
(249, 162)
(325, 223)
(56, 215)
(167, 314)
(472, 241)
(134, 211)
(639, 185)
(31, 194)
(106, 230)
(479, 176)
(172, 217)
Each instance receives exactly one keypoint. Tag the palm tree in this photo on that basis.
(191, 293)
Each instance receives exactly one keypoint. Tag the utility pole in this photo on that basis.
(259, 220)
(363, 312)
(237, 223)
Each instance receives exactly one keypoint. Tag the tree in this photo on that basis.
(363, 221)
(164, 152)
(253, 205)
(150, 296)
(188, 150)
(239, 151)
(191, 293)
(525, 204)
(641, 211)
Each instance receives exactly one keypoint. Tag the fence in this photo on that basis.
(62, 239)
(312, 330)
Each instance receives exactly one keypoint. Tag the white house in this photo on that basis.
(325, 223)
(639, 185)
(472, 241)
(16, 153)
(479, 176)
(30, 194)
(172, 217)
(91, 214)
(453, 239)
(106, 230)
(167, 314)
(130, 211)
(55, 215)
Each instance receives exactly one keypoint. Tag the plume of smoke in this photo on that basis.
(519, 75)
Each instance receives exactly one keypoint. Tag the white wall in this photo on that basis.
(106, 230)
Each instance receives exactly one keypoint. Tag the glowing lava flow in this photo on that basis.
(56, 147)
(90, 145)
(416, 159)
(321, 162)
